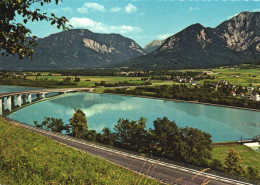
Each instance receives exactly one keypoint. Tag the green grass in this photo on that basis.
(248, 155)
(87, 81)
(245, 76)
(29, 158)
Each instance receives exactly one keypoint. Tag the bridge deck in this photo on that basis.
(2, 95)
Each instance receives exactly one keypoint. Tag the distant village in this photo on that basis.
(235, 90)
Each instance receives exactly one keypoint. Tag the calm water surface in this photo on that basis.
(224, 124)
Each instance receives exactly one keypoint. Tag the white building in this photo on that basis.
(255, 97)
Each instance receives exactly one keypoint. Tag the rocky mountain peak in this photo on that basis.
(242, 31)
(194, 34)
(77, 48)
(236, 40)
(152, 46)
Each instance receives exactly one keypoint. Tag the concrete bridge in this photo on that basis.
(16, 100)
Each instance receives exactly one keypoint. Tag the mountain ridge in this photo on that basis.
(77, 48)
(236, 40)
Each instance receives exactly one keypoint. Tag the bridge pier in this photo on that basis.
(1, 106)
(19, 100)
(9, 103)
(26, 97)
(30, 98)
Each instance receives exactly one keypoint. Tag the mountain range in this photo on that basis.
(234, 41)
(77, 48)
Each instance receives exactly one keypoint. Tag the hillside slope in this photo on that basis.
(29, 158)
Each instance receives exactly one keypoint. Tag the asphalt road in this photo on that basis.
(167, 173)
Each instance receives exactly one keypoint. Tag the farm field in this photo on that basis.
(88, 81)
(244, 77)
(238, 76)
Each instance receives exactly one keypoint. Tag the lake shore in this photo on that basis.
(185, 101)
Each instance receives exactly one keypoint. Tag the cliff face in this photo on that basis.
(77, 48)
(241, 32)
(234, 41)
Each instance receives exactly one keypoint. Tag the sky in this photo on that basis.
(141, 20)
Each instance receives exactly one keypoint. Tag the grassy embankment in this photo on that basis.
(248, 155)
(29, 158)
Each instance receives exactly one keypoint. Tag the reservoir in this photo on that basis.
(103, 110)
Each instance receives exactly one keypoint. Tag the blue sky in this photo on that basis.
(142, 20)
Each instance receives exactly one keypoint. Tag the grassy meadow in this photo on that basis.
(236, 76)
(248, 155)
(29, 158)
(88, 81)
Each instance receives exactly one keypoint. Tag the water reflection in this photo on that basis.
(224, 124)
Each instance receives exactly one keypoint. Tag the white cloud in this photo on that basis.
(130, 8)
(164, 36)
(193, 9)
(58, 10)
(50, 10)
(115, 9)
(67, 9)
(100, 27)
(101, 108)
(91, 7)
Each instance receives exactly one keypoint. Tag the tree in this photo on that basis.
(166, 138)
(131, 134)
(122, 134)
(14, 35)
(67, 79)
(79, 124)
(107, 137)
(216, 165)
(138, 135)
(56, 125)
(77, 79)
(91, 135)
(197, 146)
(233, 163)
